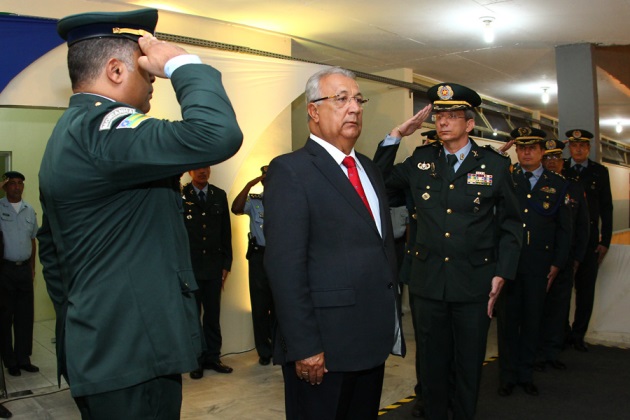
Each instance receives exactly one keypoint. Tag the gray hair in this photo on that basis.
(312, 90)
(470, 114)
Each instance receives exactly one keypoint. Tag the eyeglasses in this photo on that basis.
(552, 157)
(451, 116)
(343, 101)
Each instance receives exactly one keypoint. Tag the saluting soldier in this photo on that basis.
(596, 182)
(263, 313)
(113, 243)
(543, 200)
(207, 221)
(467, 245)
(558, 300)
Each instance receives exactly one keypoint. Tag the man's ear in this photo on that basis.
(313, 111)
(470, 124)
(115, 70)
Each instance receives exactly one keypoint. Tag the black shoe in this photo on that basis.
(196, 374)
(580, 345)
(418, 408)
(529, 388)
(264, 361)
(217, 367)
(557, 364)
(506, 390)
(14, 371)
(539, 366)
(4, 413)
(29, 368)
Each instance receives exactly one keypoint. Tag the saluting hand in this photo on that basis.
(156, 54)
(412, 124)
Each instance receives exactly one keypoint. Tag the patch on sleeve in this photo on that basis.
(112, 116)
(133, 121)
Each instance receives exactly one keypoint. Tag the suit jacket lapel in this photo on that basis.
(334, 174)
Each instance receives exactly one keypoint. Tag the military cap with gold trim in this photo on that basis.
(554, 147)
(579, 135)
(452, 97)
(13, 174)
(131, 25)
(528, 135)
(431, 136)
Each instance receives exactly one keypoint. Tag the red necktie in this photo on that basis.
(353, 176)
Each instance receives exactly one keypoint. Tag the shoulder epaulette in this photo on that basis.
(495, 150)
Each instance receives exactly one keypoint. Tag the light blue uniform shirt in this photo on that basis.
(18, 229)
(256, 212)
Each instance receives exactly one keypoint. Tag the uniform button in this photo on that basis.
(529, 196)
(186, 285)
(526, 210)
(446, 259)
(409, 251)
(414, 216)
(449, 211)
(203, 226)
(203, 214)
(524, 224)
(447, 235)
(485, 260)
(203, 239)
(546, 246)
(390, 285)
(417, 253)
(452, 187)
(428, 187)
(203, 252)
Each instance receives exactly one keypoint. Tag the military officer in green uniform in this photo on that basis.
(558, 301)
(207, 221)
(467, 245)
(543, 200)
(596, 182)
(113, 244)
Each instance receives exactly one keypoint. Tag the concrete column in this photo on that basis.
(578, 106)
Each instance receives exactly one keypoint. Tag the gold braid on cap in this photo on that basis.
(138, 32)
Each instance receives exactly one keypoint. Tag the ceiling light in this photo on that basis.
(488, 30)
(619, 127)
(494, 132)
(545, 95)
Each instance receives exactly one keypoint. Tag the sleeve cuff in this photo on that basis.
(176, 62)
(390, 141)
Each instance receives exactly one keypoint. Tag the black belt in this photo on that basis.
(17, 263)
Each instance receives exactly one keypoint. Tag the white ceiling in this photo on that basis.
(442, 40)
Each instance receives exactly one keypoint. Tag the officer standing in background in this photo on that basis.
(558, 300)
(467, 245)
(263, 314)
(596, 182)
(542, 197)
(207, 221)
(17, 273)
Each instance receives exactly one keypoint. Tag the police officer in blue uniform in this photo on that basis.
(466, 247)
(263, 314)
(558, 300)
(543, 200)
(596, 182)
(207, 221)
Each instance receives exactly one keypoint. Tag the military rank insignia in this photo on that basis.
(479, 178)
(426, 196)
(423, 166)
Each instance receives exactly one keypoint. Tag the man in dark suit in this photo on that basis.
(558, 301)
(467, 245)
(207, 221)
(113, 244)
(543, 200)
(331, 262)
(596, 182)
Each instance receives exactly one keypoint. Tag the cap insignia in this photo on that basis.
(445, 92)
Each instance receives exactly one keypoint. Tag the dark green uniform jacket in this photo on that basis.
(113, 244)
(468, 226)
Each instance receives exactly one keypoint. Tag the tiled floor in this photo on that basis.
(250, 392)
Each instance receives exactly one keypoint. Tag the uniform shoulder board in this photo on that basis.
(256, 196)
(558, 175)
(495, 150)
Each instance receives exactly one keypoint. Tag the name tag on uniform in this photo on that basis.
(479, 178)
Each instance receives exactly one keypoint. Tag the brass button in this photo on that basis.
(452, 187)
(447, 235)
(526, 210)
(529, 196)
(449, 211)
(428, 187)
(524, 224)
(203, 239)
(485, 259)
(446, 259)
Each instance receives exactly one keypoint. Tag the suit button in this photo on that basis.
(390, 285)
(446, 259)
(447, 235)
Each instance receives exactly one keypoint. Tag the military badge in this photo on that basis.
(549, 190)
(426, 196)
(477, 201)
(423, 166)
(550, 144)
(113, 115)
(445, 92)
(475, 154)
(189, 217)
(546, 205)
(479, 178)
(524, 131)
(577, 134)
